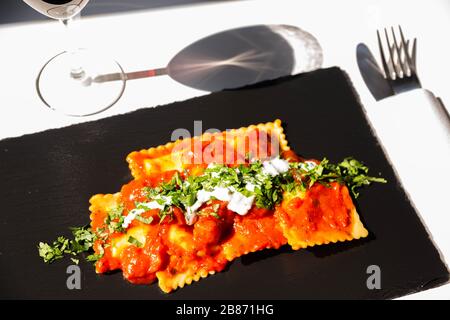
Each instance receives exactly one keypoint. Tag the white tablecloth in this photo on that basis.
(147, 40)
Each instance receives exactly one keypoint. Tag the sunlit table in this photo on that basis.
(149, 39)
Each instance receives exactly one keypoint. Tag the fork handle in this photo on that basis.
(414, 131)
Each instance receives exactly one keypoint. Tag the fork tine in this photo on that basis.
(393, 63)
(387, 73)
(399, 55)
(408, 52)
(407, 56)
(391, 56)
(400, 65)
(413, 54)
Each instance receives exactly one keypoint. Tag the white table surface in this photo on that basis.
(148, 39)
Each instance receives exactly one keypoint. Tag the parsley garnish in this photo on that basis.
(83, 240)
(267, 190)
(215, 215)
(94, 257)
(349, 171)
(135, 241)
(115, 219)
(144, 220)
(54, 251)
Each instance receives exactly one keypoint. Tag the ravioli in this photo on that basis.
(262, 141)
(314, 218)
(160, 245)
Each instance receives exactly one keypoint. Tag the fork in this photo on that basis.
(400, 69)
(412, 126)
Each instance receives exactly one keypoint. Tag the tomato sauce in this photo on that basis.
(172, 247)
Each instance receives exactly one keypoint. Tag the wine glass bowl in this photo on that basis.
(64, 82)
(58, 9)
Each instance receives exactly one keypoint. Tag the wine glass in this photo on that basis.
(65, 82)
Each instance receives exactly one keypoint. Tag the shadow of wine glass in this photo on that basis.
(239, 57)
(243, 56)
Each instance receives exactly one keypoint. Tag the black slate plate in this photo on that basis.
(47, 179)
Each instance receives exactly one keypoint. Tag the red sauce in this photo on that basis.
(324, 208)
(321, 209)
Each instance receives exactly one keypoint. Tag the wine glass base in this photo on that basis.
(74, 93)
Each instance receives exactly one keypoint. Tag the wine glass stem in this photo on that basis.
(76, 69)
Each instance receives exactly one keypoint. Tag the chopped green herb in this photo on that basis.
(215, 215)
(135, 241)
(83, 240)
(148, 220)
(349, 171)
(94, 257)
(267, 190)
(115, 219)
(55, 251)
(151, 192)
